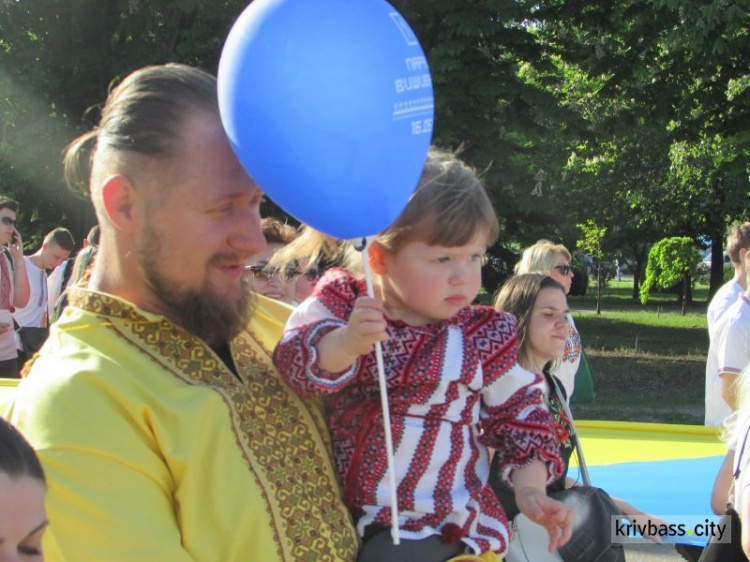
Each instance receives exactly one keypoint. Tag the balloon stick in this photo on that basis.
(383, 400)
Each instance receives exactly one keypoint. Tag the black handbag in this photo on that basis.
(32, 339)
(591, 540)
(728, 551)
(593, 509)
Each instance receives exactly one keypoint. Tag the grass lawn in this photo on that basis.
(648, 360)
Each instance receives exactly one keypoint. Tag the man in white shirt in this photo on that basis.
(61, 277)
(56, 247)
(726, 307)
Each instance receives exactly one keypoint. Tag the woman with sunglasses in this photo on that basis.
(305, 284)
(553, 259)
(265, 279)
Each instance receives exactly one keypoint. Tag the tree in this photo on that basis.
(57, 59)
(670, 261)
(678, 70)
(591, 243)
(571, 110)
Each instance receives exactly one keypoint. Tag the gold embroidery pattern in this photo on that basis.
(271, 428)
(313, 408)
(284, 440)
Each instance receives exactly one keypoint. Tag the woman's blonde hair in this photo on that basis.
(541, 257)
(448, 208)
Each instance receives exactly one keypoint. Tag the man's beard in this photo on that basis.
(205, 313)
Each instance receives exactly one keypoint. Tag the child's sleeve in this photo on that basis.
(296, 357)
(514, 420)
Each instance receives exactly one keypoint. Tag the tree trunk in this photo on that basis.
(685, 287)
(598, 287)
(717, 265)
(639, 257)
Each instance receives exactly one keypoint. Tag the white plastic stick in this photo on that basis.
(383, 404)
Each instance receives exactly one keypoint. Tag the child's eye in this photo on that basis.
(481, 258)
(443, 259)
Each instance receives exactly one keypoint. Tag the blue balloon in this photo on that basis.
(328, 104)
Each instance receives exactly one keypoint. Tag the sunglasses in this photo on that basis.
(263, 273)
(8, 221)
(564, 269)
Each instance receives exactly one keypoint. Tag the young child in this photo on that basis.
(454, 385)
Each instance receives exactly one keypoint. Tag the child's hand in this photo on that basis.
(340, 348)
(366, 326)
(551, 514)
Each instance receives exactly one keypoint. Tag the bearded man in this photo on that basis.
(162, 427)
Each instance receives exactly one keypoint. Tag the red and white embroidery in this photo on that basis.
(454, 388)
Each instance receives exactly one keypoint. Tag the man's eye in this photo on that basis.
(224, 208)
(29, 551)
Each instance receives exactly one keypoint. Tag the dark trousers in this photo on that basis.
(9, 369)
(379, 547)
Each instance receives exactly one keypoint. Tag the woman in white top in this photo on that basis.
(553, 259)
(736, 434)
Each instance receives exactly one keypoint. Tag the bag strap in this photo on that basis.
(742, 450)
(6, 251)
(579, 450)
(730, 494)
(67, 272)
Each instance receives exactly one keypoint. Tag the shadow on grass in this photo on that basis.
(614, 334)
(645, 388)
(669, 381)
(620, 297)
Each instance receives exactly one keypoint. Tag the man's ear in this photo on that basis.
(377, 254)
(118, 196)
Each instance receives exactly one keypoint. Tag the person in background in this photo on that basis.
(80, 274)
(737, 434)
(60, 278)
(733, 339)
(55, 248)
(14, 285)
(552, 259)
(23, 519)
(270, 281)
(727, 297)
(308, 278)
(162, 426)
(540, 306)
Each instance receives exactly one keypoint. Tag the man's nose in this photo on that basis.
(247, 237)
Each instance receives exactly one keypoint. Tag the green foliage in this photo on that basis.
(670, 261)
(632, 113)
(57, 59)
(591, 242)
